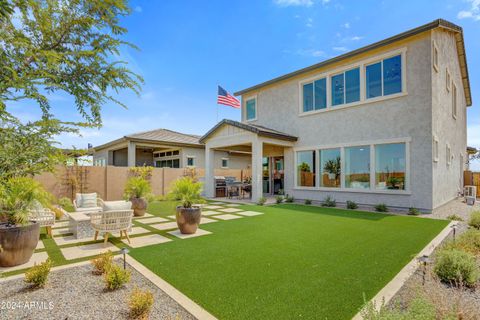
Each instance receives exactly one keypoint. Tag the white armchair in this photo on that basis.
(44, 217)
(112, 221)
(87, 202)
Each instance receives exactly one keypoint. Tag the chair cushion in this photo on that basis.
(116, 205)
(86, 200)
(91, 209)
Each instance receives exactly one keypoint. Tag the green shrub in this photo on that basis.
(456, 267)
(279, 199)
(261, 201)
(186, 191)
(308, 201)
(329, 202)
(419, 308)
(351, 205)
(140, 303)
(413, 211)
(37, 275)
(116, 277)
(102, 263)
(289, 199)
(454, 217)
(475, 220)
(468, 241)
(66, 204)
(381, 207)
(138, 187)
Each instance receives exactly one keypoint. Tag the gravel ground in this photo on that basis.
(78, 294)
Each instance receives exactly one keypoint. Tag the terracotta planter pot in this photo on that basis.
(188, 219)
(18, 243)
(139, 206)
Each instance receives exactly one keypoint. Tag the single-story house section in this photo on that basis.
(163, 148)
(385, 123)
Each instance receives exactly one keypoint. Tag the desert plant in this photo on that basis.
(66, 204)
(116, 277)
(137, 187)
(351, 205)
(419, 308)
(140, 303)
(456, 267)
(102, 263)
(381, 207)
(261, 201)
(474, 219)
(279, 199)
(143, 172)
(289, 199)
(469, 241)
(186, 191)
(308, 201)
(17, 196)
(413, 211)
(454, 217)
(37, 275)
(329, 202)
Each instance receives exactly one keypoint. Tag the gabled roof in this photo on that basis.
(161, 136)
(439, 23)
(259, 130)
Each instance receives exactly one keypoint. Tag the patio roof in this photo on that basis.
(259, 130)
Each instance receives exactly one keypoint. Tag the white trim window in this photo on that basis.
(435, 56)
(448, 80)
(448, 154)
(376, 167)
(435, 148)
(314, 95)
(225, 163)
(190, 161)
(454, 101)
(345, 87)
(251, 109)
(384, 77)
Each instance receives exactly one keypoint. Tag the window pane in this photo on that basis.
(390, 166)
(176, 152)
(374, 80)
(307, 97)
(352, 85)
(321, 94)
(392, 75)
(330, 168)
(306, 168)
(337, 90)
(251, 109)
(176, 163)
(357, 167)
(224, 163)
(189, 161)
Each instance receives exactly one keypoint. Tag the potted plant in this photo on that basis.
(187, 192)
(137, 190)
(332, 167)
(18, 235)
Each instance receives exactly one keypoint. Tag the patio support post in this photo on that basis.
(209, 171)
(131, 154)
(257, 160)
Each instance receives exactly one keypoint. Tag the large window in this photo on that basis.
(173, 163)
(330, 168)
(306, 168)
(390, 166)
(357, 167)
(384, 77)
(346, 87)
(251, 109)
(315, 95)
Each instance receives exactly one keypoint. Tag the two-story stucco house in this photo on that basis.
(385, 123)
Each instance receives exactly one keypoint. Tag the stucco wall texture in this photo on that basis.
(424, 109)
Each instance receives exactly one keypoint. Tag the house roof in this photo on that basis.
(259, 130)
(439, 23)
(163, 136)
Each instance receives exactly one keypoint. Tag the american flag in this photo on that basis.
(227, 99)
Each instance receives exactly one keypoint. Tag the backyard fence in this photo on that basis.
(109, 182)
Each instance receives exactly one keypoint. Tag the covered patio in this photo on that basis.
(266, 147)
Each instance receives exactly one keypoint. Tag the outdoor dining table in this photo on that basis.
(238, 189)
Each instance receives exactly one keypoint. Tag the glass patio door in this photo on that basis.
(266, 174)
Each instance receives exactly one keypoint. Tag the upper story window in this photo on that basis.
(384, 77)
(251, 109)
(435, 148)
(435, 56)
(190, 161)
(448, 80)
(346, 87)
(315, 95)
(454, 101)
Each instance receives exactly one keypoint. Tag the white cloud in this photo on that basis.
(356, 38)
(138, 9)
(309, 22)
(312, 53)
(472, 13)
(340, 49)
(346, 25)
(294, 3)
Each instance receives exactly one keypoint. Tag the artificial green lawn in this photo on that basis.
(294, 261)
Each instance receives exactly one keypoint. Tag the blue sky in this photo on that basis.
(189, 47)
